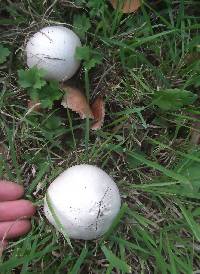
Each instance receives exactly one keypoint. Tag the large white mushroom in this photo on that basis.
(85, 200)
(53, 49)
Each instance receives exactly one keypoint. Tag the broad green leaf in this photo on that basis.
(173, 99)
(83, 53)
(97, 7)
(53, 122)
(4, 53)
(39, 90)
(93, 62)
(115, 261)
(49, 93)
(90, 57)
(81, 24)
(33, 93)
(31, 78)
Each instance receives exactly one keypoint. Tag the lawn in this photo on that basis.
(146, 66)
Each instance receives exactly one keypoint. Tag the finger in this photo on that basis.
(14, 229)
(12, 210)
(10, 191)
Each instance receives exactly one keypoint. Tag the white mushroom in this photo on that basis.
(85, 200)
(53, 49)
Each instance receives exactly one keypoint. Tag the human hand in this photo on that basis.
(14, 212)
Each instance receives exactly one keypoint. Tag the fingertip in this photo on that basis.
(10, 191)
(28, 206)
(11, 230)
(12, 210)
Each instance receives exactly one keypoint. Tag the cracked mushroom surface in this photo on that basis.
(53, 49)
(85, 199)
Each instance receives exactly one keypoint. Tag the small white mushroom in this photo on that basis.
(85, 200)
(53, 49)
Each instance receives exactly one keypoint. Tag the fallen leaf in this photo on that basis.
(98, 109)
(34, 106)
(75, 100)
(127, 6)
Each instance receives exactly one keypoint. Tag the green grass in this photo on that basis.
(145, 148)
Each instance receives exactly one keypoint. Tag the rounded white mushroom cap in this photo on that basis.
(53, 49)
(85, 200)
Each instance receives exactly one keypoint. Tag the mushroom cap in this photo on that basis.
(53, 49)
(85, 200)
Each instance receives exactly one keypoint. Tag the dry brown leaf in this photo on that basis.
(128, 6)
(98, 109)
(34, 106)
(75, 100)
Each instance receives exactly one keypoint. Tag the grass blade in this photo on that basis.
(79, 262)
(58, 223)
(116, 222)
(115, 261)
(194, 226)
